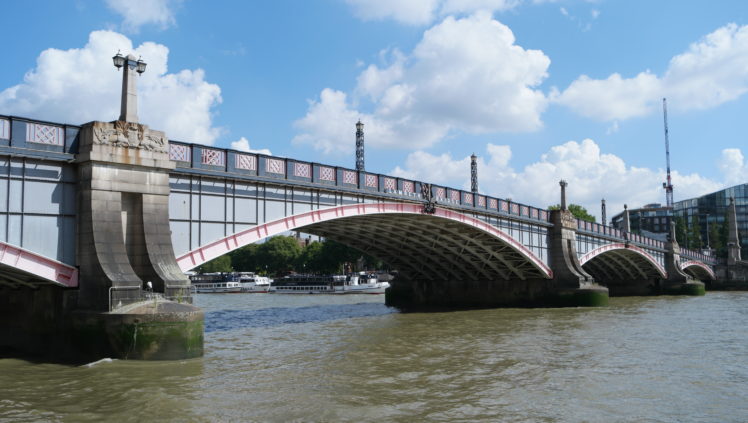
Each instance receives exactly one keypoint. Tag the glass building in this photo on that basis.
(712, 208)
(653, 218)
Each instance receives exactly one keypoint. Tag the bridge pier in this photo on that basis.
(678, 282)
(134, 301)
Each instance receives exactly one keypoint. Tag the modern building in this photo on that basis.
(711, 210)
(654, 218)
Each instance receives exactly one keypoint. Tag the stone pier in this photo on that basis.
(130, 284)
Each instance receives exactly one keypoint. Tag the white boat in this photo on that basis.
(355, 283)
(252, 282)
(214, 283)
(216, 287)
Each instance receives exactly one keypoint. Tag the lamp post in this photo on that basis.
(707, 231)
(129, 107)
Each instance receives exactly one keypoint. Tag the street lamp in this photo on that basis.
(129, 109)
(119, 60)
(707, 231)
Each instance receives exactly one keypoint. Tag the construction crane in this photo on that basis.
(667, 185)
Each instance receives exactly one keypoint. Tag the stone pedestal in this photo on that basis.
(678, 282)
(124, 240)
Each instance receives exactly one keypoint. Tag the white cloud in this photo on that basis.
(242, 144)
(732, 164)
(592, 175)
(712, 71)
(464, 75)
(137, 13)
(422, 12)
(411, 12)
(81, 84)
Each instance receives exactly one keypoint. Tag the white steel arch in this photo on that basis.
(21, 266)
(698, 269)
(626, 257)
(475, 239)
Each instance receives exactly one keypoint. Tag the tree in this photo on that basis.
(218, 264)
(694, 237)
(245, 259)
(681, 231)
(715, 241)
(278, 254)
(578, 211)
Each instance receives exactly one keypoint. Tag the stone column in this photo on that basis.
(124, 241)
(678, 281)
(573, 283)
(124, 237)
(733, 241)
(626, 220)
(129, 108)
(603, 219)
(563, 193)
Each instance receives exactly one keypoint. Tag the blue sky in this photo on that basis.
(539, 90)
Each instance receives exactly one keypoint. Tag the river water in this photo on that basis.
(350, 358)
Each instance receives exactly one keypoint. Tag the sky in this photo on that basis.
(539, 90)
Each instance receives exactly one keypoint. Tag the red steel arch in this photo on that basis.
(642, 254)
(28, 267)
(222, 246)
(698, 269)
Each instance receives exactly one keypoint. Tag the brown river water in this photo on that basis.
(349, 358)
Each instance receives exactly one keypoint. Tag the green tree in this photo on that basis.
(578, 211)
(715, 241)
(724, 234)
(278, 254)
(681, 231)
(310, 259)
(218, 264)
(245, 259)
(694, 237)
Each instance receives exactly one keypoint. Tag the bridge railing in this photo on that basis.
(612, 232)
(35, 135)
(60, 141)
(204, 158)
(706, 256)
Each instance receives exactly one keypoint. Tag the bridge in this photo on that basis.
(89, 214)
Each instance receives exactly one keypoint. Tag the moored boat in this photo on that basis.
(214, 283)
(254, 283)
(354, 283)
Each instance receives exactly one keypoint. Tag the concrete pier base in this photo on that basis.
(689, 287)
(148, 330)
(44, 323)
(441, 295)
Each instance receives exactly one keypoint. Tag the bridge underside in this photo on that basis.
(698, 271)
(625, 272)
(429, 248)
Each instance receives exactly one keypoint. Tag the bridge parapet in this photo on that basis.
(708, 258)
(204, 160)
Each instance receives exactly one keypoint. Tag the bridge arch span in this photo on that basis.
(698, 270)
(442, 245)
(19, 266)
(621, 260)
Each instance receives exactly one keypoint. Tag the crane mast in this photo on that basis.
(667, 185)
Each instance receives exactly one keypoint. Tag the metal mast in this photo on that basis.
(359, 146)
(667, 185)
(473, 173)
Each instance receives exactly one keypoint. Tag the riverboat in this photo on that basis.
(354, 283)
(254, 283)
(214, 283)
